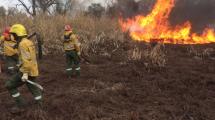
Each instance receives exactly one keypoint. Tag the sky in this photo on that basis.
(8, 3)
(13, 3)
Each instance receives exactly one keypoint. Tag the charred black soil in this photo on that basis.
(183, 90)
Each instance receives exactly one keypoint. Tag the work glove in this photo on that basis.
(79, 53)
(24, 77)
(1, 52)
(18, 65)
(66, 40)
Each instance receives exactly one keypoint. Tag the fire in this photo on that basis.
(155, 26)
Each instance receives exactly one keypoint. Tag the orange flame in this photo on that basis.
(155, 26)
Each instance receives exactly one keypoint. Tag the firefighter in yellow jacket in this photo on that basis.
(10, 53)
(72, 51)
(28, 68)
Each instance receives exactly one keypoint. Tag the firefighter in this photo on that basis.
(72, 52)
(28, 69)
(1, 57)
(10, 53)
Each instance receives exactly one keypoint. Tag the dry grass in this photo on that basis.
(156, 55)
(99, 37)
(201, 54)
(153, 56)
(93, 32)
(135, 54)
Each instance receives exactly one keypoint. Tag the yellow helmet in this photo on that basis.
(19, 30)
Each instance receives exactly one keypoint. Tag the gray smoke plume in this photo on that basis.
(200, 13)
(127, 8)
(130, 8)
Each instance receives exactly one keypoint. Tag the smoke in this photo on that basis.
(130, 8)
(201, 13)
(126, 7)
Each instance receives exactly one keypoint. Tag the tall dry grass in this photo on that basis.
(98, 37)
(153, 56)
(201, 54)
(92, 32)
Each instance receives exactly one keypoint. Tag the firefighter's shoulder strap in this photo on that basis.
(67, 37)
(39, 43)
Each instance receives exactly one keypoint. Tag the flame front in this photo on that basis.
(155, 26)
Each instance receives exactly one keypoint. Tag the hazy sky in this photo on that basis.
(7, 3)
(13, 3)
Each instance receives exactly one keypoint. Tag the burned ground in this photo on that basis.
(124, 90)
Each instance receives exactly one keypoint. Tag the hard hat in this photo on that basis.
(67, 28)
(7, 30)
(19, 30)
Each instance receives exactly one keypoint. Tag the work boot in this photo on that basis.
(77, 72)
(38, 104)
(17, 109)
(20, 102)
(72, 75)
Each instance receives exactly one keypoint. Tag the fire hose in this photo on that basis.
(30, 82)
(35, 84)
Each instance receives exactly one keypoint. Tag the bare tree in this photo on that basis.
(96, 9)
(28, 8)
(12, 11)
(64, 6)
(2, 11)
(44, 5)
(35, 5)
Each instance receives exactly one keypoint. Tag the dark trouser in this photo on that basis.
(1, 63)
(11, 62)
(16, 82)
(73, 62)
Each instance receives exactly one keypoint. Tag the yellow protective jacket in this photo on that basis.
(27, 57)
(71, 41)
(8, 46)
